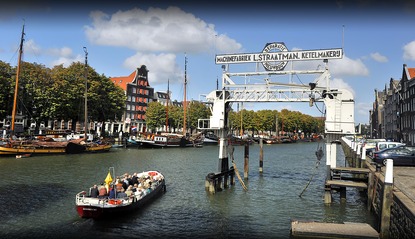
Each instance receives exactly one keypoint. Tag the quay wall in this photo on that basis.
(402, 208)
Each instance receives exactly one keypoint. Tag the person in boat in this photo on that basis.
(139, 192)
(111, 194)
(119, 184)
(134, 179)
(125, 182)
(102, 192)
(129, 191)
(121, 194)
(134, 189)
(93, 191)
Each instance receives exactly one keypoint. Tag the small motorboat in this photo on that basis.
(18, 156)
(150, 185)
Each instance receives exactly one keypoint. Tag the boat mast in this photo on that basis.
(16, 88)
(184, 101)
(167, 107)
(86, 93)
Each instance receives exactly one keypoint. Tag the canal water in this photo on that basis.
(38, 194)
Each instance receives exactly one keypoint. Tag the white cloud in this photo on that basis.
(409, 51)
(157, 30)
(378, 57)
(64, 55)
(32, 48)
(66, 61)
(156, 35)
(63, 52)
(162, 67)
(338, 67)
(348, 67)
(338, 83)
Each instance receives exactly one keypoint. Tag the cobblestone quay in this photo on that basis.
(402, 208)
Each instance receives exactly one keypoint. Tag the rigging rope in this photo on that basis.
(231, 149)
(319, 155)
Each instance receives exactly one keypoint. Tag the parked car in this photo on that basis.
(382, 145)
(401, 156)
(370, 144)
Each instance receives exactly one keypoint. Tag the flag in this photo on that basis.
(108, 180)
(134, 128)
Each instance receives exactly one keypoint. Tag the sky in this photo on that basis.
(377, 38)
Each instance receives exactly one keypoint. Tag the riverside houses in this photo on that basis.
(136, 87)
(139, 94)
(393, 113)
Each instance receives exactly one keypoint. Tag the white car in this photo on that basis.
(370, 144)
(384, 145)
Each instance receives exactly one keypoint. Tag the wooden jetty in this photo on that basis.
(332, 230)
(344, 177)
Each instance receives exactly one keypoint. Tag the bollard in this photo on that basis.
(364, 153)
(363, 157)
(387, 201)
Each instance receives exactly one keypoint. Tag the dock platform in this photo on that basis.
(332, 230)
(344, 183)
(351, 170)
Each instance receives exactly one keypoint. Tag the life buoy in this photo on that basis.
(152, 173)
(114, 202)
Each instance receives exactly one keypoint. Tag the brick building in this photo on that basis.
(139, 94)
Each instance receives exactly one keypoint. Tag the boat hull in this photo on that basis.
(167, 142)
(98, 148)
(29, 150)
(102, 208)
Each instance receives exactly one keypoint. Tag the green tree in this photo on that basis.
(105, 101)
(6, 89)
(175, 117)
(196, 111)
(155, 115)
(265, 120)
(58, 93)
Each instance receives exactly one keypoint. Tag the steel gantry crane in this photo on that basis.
(339, 104)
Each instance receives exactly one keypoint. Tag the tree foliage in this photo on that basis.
(59, 93)
(264, 121)
(6, 89)
(155, 115)
(196, 111)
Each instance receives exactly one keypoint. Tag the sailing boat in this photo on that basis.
(82, 144)
(168, 139)
(24, 147)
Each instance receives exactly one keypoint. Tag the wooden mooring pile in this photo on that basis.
(217, 181)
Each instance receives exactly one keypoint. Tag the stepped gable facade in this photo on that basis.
(139, 93)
